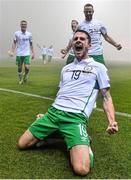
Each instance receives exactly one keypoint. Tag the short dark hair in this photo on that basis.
(88, 36)
(87, 5)
(73, 20)
(23, 21)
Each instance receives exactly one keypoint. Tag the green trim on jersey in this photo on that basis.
(98, 58)
(70, 59)
(88, 99)
(72, 126)
(22, 59)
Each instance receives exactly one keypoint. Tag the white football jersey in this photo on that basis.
(43, 50)
(95, 29)
(23, 43)
(50, 51)
(79, 86)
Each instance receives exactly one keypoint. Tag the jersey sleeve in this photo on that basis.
(103, 29)
(15, 36)
(103, 78)
(30, 38)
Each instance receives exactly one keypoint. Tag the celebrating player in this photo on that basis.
(73, 105)
(68, 49)
(96, 29)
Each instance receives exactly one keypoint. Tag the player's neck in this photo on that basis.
(88, 20)
(82, 58)
(23, 31)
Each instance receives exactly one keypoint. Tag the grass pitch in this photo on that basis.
(17, 112)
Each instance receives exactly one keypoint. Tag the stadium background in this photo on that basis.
(49, 21)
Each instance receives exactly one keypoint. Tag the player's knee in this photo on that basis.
(21, 144)
(81, 169)
(26, 70)
(19, 69)
(27, 140)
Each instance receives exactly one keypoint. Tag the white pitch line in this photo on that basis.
(43, 97)
(26, 94)
(117, 113)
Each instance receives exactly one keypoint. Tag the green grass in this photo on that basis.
(17, 112)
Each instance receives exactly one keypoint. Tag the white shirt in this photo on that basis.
(79, 86)
(23, 43)
(50, 52)
(43, 50)
(95, 29)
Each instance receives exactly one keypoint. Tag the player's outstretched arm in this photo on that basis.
(112, 42)
(109, 110)
(66, 50)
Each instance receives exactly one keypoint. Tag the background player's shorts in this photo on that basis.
(22, 59)
(43, 56)
(98, 58)
(72, 126)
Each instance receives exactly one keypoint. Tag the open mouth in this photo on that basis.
(78, 47)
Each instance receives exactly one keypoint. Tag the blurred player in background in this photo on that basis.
(22, 42)
(50, 53)
(68, 49)
(43, 52)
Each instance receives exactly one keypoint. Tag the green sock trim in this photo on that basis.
(91, 158)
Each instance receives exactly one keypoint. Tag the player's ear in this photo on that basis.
(89, 43)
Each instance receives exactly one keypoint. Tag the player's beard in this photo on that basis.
(81, 54)
(88, 18)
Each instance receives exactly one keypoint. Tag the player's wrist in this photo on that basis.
(115, 44)
(112, 123)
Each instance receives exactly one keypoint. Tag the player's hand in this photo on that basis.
(10, 53)
(112, 128)
(118, 47)
(63, 56)
(63, 51)
(39, 116)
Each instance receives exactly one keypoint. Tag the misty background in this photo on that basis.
(49, 21)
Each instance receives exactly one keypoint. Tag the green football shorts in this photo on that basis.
(22, 59)
(72, 126)
(98, 58)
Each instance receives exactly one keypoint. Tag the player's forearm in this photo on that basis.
(69, 46)
(109, 109)
(108, 105)
(111, 41)
(13, 47)
(32, 48)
